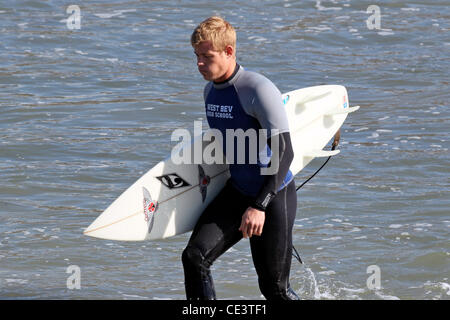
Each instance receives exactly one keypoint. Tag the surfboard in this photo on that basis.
(169, 198)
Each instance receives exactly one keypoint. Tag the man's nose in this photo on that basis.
(200, 62)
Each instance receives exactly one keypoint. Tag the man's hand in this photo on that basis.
(252, 222)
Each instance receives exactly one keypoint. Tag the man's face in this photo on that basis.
(213, 65)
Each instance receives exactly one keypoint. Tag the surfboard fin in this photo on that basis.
(321, 153)
(342, 111)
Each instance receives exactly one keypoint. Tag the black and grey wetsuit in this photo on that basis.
(247, 101)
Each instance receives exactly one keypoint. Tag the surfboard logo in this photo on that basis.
(203, 182)
(286, 99)
(345, 102)
(172, 181)
(150, 207)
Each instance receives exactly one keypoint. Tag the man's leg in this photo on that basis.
(272, 251)
(216, 231)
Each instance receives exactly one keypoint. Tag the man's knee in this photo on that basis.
(192, 257)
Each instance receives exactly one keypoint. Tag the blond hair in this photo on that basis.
(217, 30)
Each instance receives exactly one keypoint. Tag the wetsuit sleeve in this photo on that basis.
(273, 182)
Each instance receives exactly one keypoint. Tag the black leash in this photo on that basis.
(296, 255)
(323, 165)
(337, 137)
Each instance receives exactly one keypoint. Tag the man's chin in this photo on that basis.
(206, 76)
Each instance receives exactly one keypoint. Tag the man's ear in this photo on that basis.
(229, 50)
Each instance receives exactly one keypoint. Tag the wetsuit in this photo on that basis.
(247, 101)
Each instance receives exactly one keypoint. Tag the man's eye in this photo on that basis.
(208, 56)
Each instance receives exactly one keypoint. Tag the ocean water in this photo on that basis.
(85, 112)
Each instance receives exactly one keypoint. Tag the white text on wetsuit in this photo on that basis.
(216, 111)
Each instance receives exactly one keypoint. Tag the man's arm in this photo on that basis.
(267, 107)
(263, 100)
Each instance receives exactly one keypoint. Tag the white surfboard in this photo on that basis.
(169, 198)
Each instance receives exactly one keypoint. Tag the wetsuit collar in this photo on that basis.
(231, 80)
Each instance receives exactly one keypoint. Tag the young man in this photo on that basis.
(252, 205)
